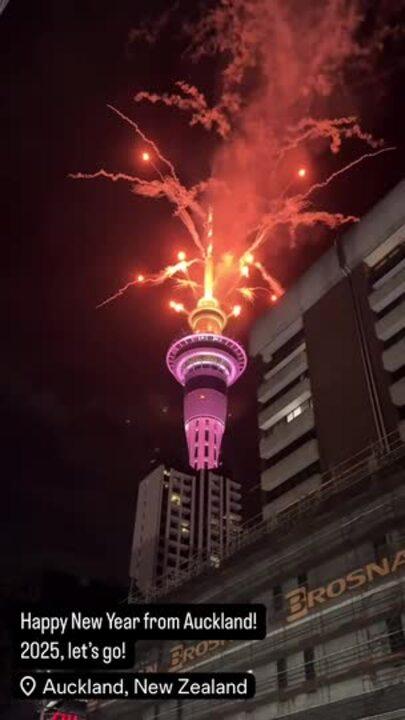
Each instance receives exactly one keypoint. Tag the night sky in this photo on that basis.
(87, 403)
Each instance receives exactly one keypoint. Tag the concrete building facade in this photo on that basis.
(180, 517)
(330, 571)
(332, 358)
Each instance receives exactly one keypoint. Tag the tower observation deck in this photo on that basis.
(206, 363)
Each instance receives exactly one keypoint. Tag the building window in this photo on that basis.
(281, 673)
(277, 598)
(380, 548)
(175, 498)
(309, 663)
(294, 413)
(302, 580)
(304, 406)
(396, 635)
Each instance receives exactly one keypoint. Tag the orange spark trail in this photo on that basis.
(249, 293)
(114, 177)
(273, 284)
(157, 279)
(277, 66)
(336, 130)
(147, 140)
(118, 294)
(294, 212)
(192, 101)
(344, 169)
(185, 200)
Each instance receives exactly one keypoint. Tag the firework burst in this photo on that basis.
(299, 57)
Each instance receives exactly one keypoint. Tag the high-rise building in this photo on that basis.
(180, 518)
(333, 358)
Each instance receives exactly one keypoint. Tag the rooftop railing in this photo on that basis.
(350, 474)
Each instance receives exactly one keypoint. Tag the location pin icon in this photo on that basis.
(28, 685)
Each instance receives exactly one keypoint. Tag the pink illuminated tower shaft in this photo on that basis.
(206, 364)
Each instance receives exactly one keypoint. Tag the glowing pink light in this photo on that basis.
(206, 365)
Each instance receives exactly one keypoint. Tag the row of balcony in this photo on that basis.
(391, 323)
(283, 422)
(389, 289)
(282, 375)
(286, 433)
(294, 463)
(283, 405)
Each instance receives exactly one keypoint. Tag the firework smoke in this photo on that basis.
(283, 79)
(284, 69)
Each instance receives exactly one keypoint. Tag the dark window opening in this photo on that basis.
(396, 635)
(285, 390)
(277, 598)
(380, 548)
(397, 375)
(285, 350)
(292, 482)
(389, 307)
(289, 449)
(394, 339)
(302, 580)
(309, 663)
(387, 263)
(282, 679)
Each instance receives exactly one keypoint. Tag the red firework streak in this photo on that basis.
(295, 66)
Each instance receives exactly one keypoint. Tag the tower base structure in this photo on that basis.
(206, 365)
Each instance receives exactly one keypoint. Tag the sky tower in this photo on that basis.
(206, 363)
